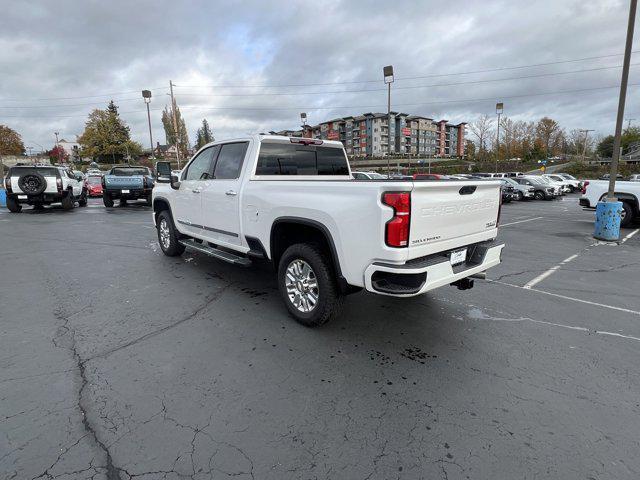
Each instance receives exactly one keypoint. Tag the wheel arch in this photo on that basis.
(286, 231)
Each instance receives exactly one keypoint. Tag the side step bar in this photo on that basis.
(216, 253)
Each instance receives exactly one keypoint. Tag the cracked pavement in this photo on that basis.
(120, 363)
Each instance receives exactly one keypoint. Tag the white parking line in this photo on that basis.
(544, 275)
(603, 305)
(520, 221)
(627, 237)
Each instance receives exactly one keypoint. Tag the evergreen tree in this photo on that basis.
(204, 135)
(106, 138)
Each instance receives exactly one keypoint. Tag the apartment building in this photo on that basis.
(378, 134)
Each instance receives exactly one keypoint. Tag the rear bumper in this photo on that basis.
(43, 198)
(133, 194)
(423, 274)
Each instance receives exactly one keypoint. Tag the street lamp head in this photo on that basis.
(388, 73)
(146, 94)
(499, 107)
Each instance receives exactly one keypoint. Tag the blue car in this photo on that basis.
(127, 183)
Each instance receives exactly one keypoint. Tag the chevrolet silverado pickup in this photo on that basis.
(294, 203)
(127, 183)
(593, 191)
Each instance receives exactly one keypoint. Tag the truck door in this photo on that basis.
(187, 206)
(221, 196)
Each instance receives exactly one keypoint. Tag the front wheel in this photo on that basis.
(520, 196)
(168, 235)
(308, 286)
(13, 205)
(539, 195)
(83, 199)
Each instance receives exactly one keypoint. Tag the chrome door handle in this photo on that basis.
(231, 192)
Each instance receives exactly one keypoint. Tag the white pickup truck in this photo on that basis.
(293, 202)
(628, 193)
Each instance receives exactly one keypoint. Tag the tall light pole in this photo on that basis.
(175, 123)
(146, 95)
(584, 148)
(499, 109)
(387, 72)
(609, 211)
(621, 101)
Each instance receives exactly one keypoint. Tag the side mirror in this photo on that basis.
(175, 184)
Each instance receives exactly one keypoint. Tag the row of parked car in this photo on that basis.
(40, 185)
(515, 185)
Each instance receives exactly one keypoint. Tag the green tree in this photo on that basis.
(605, 147)
(10, 142)
(470, 149)
(181, 139)
(106, 138)
(204, 135)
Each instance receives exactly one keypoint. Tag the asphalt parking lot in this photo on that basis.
(119, 362)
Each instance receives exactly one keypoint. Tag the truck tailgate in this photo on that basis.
(447, 215)
(119, 182)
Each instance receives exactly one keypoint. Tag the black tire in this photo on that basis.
(520, 196)
(539, 195)
(107, 200)
(123, 202)
(628, 215)
(328, 296)
(32, 183)
(169, 244)
(83, 199)
(13, 205)
(148, 200)
(39, 207)
(572, 189)
(68, 202)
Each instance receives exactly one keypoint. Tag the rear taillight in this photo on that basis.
(584, 187)
(7, 184)
(59, 184)
(397, 229)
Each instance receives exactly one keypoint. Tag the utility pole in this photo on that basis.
(499, 109)
(621, 101)
(584, 149)
(175, 123)
(57, 147)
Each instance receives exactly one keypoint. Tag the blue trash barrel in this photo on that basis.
(608, 216)
(3, 198)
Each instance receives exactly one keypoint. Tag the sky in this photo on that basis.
(250, 67)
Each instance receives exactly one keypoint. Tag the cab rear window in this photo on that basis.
(297, 159)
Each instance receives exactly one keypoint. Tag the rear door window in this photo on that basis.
(44, 171)
(297, 159)
(230, 161)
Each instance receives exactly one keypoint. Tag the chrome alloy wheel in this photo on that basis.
(302, 285)
(165, 234)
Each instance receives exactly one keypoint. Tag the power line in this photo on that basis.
(498, 69)
(307, 107)
(412, 87)
(77, 98)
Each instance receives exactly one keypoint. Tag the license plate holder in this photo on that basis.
(458, 256)
(125, 191)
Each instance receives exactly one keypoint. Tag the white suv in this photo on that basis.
(43, 185)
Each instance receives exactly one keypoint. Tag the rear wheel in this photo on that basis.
(538, 195)
(123, 202)
(168, 235)
(13, 205)
(83, 199)
(627, 215)
(148, 200)
(107, 200)
(68, 202)
(308, 286)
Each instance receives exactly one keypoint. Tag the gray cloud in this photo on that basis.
(53, 53)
